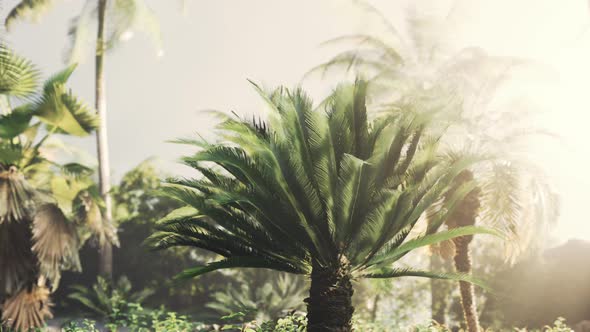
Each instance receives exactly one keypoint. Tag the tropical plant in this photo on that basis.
(84, 326)
(324, 193)
(140, 320)
(136, 195)
(110, 300)
(512, 193)
(261, 295)
(115, 20)
(38, 236)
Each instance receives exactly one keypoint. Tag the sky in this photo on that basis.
(211, 48)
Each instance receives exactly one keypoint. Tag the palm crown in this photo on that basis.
(326, 193)
(415, 67)
(125, 17)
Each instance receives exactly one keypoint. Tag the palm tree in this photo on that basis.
(323, 193)
(38, 235)
(511, 193)
(115, 21)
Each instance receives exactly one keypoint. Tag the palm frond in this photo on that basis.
(16, 122)
(27, 309)
(427, 240)
(243, 262)
(59, 107)
(80, 33)
(18, 76)
(313, 186)
(127, 16)
(55, 242)
(17, 197)
(87, 210)
(30, 10)
(397, 273)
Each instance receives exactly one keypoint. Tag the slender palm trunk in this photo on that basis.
(463, 264)
(106, 250)
(375, 308)
(329, 305)
(466, 215)
(439, 290)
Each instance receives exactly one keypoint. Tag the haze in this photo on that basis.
(214, 46)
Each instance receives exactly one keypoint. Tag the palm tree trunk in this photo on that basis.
(329, 305)
(465, 215)
(106, 250)
(375, 308)
(463, 265)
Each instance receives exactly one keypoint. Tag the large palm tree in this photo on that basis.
(510, 193)
(38, 234)
(115, 21)
(324, 193)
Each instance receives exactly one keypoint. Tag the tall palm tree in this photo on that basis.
(511, 193)
(38, 236)
(115, 21)
(324, 193)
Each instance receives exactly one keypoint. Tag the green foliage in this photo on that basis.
(140, 320)
(136, 195)
(18, 76)
(411, 66)
(558, 326)
(260, 295)
(325, 184)
(290, 323)
(85, 325)
(293, 322)
(39, 234)
(162, 321)
(108, 300)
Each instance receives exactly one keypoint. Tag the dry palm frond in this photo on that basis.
(88, 211)
(16, 196)
(18, 264)
(55, 242)
(27, 309)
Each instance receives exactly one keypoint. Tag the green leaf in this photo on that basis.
(426, 240)
(29, 10)
(397, 273)
(60, 108)
(18, 76)
(231, 262)
(15, 122)
(76, 170)
(10, 155)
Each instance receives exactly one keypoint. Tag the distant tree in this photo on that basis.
(115, 21)
(324, 193)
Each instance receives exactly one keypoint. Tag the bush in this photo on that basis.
(558, 326)
(138, 319)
